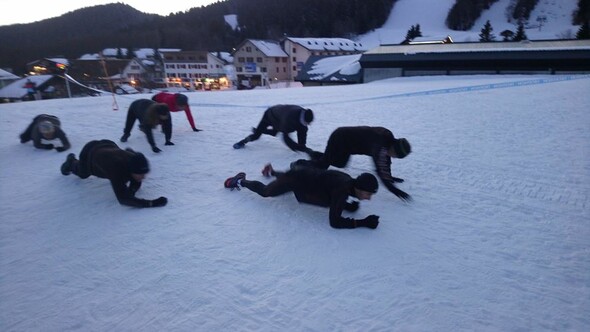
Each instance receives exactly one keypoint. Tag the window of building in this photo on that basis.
(241, 59)
(248, 49)
(263, 69)
(258, 59)
(294, 68)
(294, 59)
(277, 69)
(249, 59)
(239, 69)
(294, 50)
(284, 60)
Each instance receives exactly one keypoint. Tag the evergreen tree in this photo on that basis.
(582, 14)
(119, 53)
(412, 33)
(584, 31)
(520, 33)
(507, 35)
(486, 34)
(131, 54)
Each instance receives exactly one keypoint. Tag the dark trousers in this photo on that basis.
(131, 117)
(262, 128)
(281, 185)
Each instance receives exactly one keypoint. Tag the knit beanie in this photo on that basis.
(366, 182)
(181, 100)
(138, 164)
(308, 115)
(402, 147)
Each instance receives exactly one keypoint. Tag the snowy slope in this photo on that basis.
(431, 15)
(496, 238)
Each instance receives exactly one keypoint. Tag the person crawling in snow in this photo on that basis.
(45, 127)
(326, 188)
(376, 142)
(150, 114)
(176, 102)
(284, 119)
(104, 159)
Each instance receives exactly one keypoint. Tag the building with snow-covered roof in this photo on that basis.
(259, 61)
(300, 50)
(193, 70)
(526, 57)
(6, 78)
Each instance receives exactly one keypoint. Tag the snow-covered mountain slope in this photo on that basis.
(431, 16)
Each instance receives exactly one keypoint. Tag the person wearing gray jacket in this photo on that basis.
(45, 127)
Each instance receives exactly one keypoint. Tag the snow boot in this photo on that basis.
(66, 167)
(232, 182)
(124, 137)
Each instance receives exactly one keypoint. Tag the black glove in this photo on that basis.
(168, 143)
(195, 129)
(371, 222)
(156, 149)
(60, 149)
(161, 201)
(397, 180)
(403, 195)
(352, 206)
(47, 146)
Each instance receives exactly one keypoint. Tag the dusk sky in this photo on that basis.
(15, 12)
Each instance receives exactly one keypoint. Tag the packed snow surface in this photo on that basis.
(495, 239)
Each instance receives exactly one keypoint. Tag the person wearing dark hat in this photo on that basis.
(45, 127)
(176, 102)
(150, 114)
(104, 159)
(284, 119)
(326, 188)
(376, 142)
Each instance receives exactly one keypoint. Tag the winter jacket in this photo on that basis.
(170, 100)
(104, 159)
(362, 140)
(37, 137)
(146, 111)
(327, 188)
(287, 119)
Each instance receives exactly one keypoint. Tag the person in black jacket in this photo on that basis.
(376, 142)
(327, 188)
(285, 119)
(104, 159)
(150, 114)
(45, 127)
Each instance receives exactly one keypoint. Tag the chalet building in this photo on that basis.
(299, 50)
(193, 70)
(257, 62)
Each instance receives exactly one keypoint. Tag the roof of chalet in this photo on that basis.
(329, 44)
(17, 90)
(5, 75)
(549, 45)
(342, 69)
(268, 47)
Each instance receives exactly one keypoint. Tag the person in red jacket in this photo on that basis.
(176, 102)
